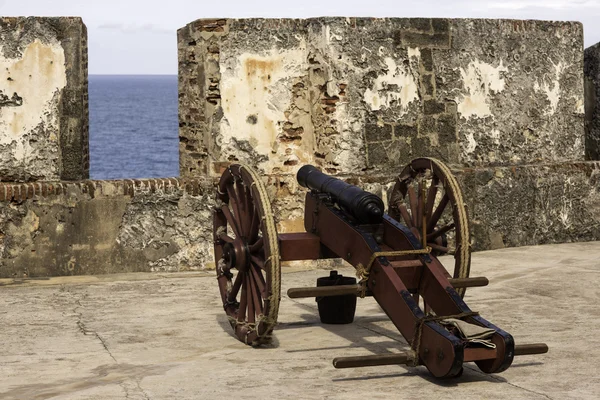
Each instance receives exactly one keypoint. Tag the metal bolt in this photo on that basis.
(440, 355)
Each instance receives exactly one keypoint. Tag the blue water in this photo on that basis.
(133, 126)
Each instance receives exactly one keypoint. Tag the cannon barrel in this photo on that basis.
(365, 207)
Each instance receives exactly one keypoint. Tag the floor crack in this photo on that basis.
(142, 390)
(84, 330)
(507, 382)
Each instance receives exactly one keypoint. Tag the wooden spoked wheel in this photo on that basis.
(247, 255)
(427, 197)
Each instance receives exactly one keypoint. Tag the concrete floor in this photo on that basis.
(159, 336)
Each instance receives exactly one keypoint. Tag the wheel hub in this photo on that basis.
(236, 255)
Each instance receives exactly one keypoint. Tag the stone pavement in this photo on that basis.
(164, 336)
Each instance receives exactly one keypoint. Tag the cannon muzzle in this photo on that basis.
(365, 207)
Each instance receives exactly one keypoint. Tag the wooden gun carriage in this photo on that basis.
(395, 255)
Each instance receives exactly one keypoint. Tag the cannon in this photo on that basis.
(395, 255)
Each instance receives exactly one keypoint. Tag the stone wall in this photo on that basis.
(502, 101)
(43, 99)
(592, 105)
(532, 204)
(508, 206)
(97, 227)
(358, 95)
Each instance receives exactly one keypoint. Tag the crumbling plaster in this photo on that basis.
(359, 94)
(43, 99)
(96, 227)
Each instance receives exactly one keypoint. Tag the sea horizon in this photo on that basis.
(133, 126)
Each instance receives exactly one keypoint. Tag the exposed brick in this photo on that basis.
(377, 154)
(376, 133)
(434, 41)
(447, 128)
(405, 131)
(427, 124)
(428, 84)
(433, 107)
(420, 24)
(128, 187)
(427, 59)
(330, 100)
(440, 25)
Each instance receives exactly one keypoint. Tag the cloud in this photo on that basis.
(554, 4)
(136, 28)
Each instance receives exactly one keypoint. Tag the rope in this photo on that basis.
(463, 248)
(363, 272)
(415, 343)
(270, 230)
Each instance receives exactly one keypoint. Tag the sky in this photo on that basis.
(140, 36)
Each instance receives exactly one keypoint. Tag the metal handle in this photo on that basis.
(531, 348)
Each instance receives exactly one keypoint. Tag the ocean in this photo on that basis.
(133, 126)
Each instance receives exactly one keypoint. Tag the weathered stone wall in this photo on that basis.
(592, 105)
(508, 206)
(97, 227)
(43, 99)
(532, 204)
(502, 101)
(357, 94)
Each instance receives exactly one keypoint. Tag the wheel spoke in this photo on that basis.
(235, 205)
(405, 216)
(431, 196)
(242, 198)
(260, 280)
(258, 245)
(435, 234)
(249, 300)
(439, 248)
(226, 238)
(258, 262)
(254, 225)
(236, 287)
(438, 213)
(250, 212)
(231, 220)
(412, 197)
(243, 301)
(256, 297)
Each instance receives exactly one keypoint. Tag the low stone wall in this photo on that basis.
(507, 206)
(532, 204)
(97, 227)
